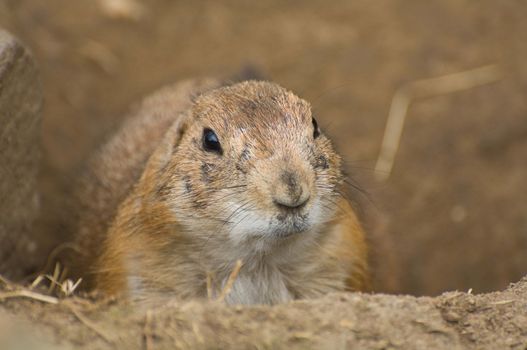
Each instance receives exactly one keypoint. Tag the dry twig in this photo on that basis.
(148, 331)
(5, 281)
(230, 281)
(404, 96)
(52, 256)
(503, 302)
(54, 279)
(67, 286)
(24, 293)
(85, 321)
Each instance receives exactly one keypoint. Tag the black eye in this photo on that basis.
(316, 130)
(211, 142)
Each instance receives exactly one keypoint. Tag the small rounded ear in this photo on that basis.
(176, 131)
(168, 145)
(170, 142)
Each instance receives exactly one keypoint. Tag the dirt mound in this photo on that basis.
(453, 320)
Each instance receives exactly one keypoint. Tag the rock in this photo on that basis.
(20, 115)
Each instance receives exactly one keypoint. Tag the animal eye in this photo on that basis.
(211, 142)
(316, 130)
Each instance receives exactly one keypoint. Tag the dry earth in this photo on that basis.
(339, 321)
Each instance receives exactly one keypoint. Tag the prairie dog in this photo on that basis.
(204, 175)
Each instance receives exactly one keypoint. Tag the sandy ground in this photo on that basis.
(339, 321)
(451, 217)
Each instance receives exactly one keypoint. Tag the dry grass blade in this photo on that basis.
(30, 295)
(52, 256)
(404, 96)
(148, 331)
(89, 323)
(63, 274)
(5, 281)
(54, 279)
(503, 302)
(68, 287)
(230, 281)
(37, 282)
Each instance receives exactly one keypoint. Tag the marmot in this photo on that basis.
(204, 175)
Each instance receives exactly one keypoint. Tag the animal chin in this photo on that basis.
(290, 226)
(273, 229)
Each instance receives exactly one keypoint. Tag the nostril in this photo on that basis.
(291, 191)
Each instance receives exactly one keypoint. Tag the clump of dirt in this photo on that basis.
(453, 320)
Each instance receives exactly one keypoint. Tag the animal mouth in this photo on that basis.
(290, 209)
(290, 224)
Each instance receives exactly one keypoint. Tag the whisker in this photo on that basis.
(227, 221)
(248, 212)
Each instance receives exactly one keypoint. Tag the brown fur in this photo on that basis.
(161, 212)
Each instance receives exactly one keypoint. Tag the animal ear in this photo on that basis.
(177, 130)
(170, 141)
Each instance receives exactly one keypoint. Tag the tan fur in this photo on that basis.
(161, 213)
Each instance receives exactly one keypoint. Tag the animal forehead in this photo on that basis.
(254, 103)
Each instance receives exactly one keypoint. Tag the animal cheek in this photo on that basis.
(242, 168)
(187, 185)
(199, 204)
(207, 170)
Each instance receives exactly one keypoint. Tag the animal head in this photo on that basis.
(250, 163)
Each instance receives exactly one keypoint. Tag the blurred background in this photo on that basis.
(453, 213)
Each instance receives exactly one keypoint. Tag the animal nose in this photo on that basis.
(291, 191)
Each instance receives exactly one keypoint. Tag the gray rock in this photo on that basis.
(20, 115)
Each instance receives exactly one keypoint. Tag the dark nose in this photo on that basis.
(291, 191)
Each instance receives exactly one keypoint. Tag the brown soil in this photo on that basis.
(451, 217)
(339, 321)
